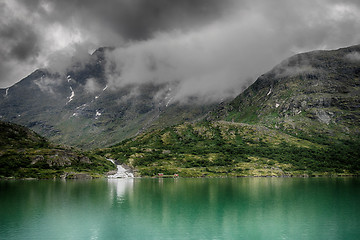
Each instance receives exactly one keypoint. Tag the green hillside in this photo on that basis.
(233, 149)
(25, 154)
(309, 94)
(300, 118)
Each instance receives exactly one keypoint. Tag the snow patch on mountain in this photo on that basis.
(80, 110)
(97, 114)
(269, 92)
(168, 97)
(72, 95)
(168, 102)
(82, 107)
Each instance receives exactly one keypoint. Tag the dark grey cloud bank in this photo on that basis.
(208, 47)
(26, 26)
(130, 19)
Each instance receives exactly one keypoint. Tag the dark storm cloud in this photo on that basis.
(19, 44)
(33, 29)
(133, 19)
(19, 41)
(224, 55)
(208, 47)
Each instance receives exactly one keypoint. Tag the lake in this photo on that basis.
(230, 208)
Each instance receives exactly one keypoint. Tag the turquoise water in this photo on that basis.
(243, 208)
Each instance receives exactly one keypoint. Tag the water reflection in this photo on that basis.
(119, 187)
(248, 208)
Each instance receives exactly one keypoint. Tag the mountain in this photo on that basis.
(311, 94)
(24, 154)
(302, 118)
(81, 109)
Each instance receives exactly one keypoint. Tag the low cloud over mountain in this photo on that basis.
(207, 48)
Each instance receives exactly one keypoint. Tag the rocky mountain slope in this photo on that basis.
(80, 109)
(314, 93)
(23, 153)
(301, 118)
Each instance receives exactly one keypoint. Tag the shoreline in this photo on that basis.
(179, 177)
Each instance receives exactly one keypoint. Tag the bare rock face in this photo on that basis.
(323, 116)
(85, 160)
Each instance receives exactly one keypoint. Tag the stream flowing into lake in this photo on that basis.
(133, 208)
(121, 171)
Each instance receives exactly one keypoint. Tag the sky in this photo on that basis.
(209, 48)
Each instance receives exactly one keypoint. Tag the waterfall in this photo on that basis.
(121, 171)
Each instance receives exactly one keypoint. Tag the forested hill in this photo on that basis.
(25, 154)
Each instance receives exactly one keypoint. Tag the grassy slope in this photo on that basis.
(300, 118)
(24, 154)
(233, 149)
(310, 94)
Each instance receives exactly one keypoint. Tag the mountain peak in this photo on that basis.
(314, 92)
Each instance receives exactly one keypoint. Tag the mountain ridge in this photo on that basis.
(302, 118)
(79, 108)
(318, 90)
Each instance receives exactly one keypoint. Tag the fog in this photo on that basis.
(208, 48)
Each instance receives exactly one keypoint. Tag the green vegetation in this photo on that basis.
(302, 118)
(234, 149)
(25, 154)
(309, 94)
